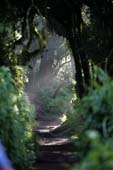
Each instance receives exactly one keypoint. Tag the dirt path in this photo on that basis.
(56, 151)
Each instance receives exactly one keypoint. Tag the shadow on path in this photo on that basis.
(56, 151)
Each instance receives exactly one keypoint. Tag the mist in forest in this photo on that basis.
(51, 73)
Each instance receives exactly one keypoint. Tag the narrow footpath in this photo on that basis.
(56, 150)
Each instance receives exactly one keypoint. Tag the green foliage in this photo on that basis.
(97, 106)
(16, 120)
(74, 119)
(19, 75)
(96, 110)
(54, 103)
(100, 155)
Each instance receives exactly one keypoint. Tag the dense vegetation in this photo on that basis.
(96, 135)
(48, 103)
(16, 122)
(87, 26)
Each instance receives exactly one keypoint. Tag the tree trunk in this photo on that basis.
(78, 74)
(84, 62)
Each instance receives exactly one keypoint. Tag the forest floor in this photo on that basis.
(56, 150)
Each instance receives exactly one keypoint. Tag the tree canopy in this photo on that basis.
(86, 24)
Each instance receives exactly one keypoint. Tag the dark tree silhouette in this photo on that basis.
(65, 17)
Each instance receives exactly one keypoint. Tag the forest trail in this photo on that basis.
(56, 150)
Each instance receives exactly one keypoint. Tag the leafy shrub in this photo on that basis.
(49, 102)
(97, 106)
(100, 155)
(96, 139)
(16, 120)
(74, 118)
